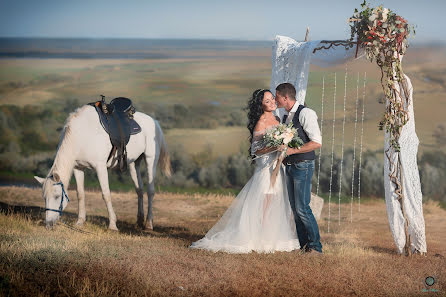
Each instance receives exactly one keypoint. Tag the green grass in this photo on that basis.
(93, 184)
(4, 175)
(442, 204)
(345, 199)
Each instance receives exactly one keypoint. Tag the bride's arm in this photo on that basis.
(270, 149)
(258, 147)
(265, 150)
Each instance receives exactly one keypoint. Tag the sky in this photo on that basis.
(205, 19)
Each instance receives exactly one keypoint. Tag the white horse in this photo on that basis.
(85, 144)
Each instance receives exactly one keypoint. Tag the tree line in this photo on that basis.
(30, 134)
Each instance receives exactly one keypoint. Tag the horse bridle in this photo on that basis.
(64, 194)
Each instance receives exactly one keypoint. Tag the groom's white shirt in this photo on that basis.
(308, 120)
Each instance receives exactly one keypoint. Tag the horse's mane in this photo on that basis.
(64, 162)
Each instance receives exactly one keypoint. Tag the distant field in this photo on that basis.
(225, 83)
(190, 81)
(222, 141)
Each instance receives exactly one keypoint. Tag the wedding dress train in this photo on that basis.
(259, 219)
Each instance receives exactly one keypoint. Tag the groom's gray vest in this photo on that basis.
(303, 135)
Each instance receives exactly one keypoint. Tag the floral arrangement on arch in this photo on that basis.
(380, 30)
(384, 36)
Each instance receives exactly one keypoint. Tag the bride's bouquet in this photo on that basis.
(281, 134)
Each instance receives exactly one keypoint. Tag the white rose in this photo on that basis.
(385, 13)
(374, 15)
(288, 137)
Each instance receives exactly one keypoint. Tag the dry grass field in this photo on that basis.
(359, 258)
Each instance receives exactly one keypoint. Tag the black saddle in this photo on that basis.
(117, 120)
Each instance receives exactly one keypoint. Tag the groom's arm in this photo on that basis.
(307, 147)
(308, 120)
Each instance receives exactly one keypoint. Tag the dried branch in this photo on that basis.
(330, 43)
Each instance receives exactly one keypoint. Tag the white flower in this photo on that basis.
(373, 17)
(287, 138)
(385, 13)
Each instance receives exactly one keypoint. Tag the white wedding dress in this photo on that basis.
(259, 219)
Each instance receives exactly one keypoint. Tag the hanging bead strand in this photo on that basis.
(360, 151)
(332, 153)
(322, 123)
(342, 149)
(354, 147)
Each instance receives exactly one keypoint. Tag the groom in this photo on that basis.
(299, 166)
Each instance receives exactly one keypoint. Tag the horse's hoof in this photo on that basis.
(113, 228)
(149, 225)
(80, 223)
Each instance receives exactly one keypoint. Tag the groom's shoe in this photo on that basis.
(304, 248)
(313, 252)
(300, 251)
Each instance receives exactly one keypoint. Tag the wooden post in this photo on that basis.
(407, 247)
(306, 35)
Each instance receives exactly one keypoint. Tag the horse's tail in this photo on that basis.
(164, 159)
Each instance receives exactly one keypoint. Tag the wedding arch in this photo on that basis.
(381, 36)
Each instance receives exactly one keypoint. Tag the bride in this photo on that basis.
(260, 218)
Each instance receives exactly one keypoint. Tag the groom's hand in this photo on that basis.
(307, 147)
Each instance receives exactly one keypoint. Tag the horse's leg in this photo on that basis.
(135, 173)
(81, 216)
(151, 171)
(103, 181)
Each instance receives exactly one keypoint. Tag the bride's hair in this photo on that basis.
(255, 110)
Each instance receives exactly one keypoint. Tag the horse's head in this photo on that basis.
(53, 195)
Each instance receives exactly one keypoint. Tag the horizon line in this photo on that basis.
(426, 42)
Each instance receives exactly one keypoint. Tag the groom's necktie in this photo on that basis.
(284, 119)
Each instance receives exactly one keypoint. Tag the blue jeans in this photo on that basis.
(299, 192)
